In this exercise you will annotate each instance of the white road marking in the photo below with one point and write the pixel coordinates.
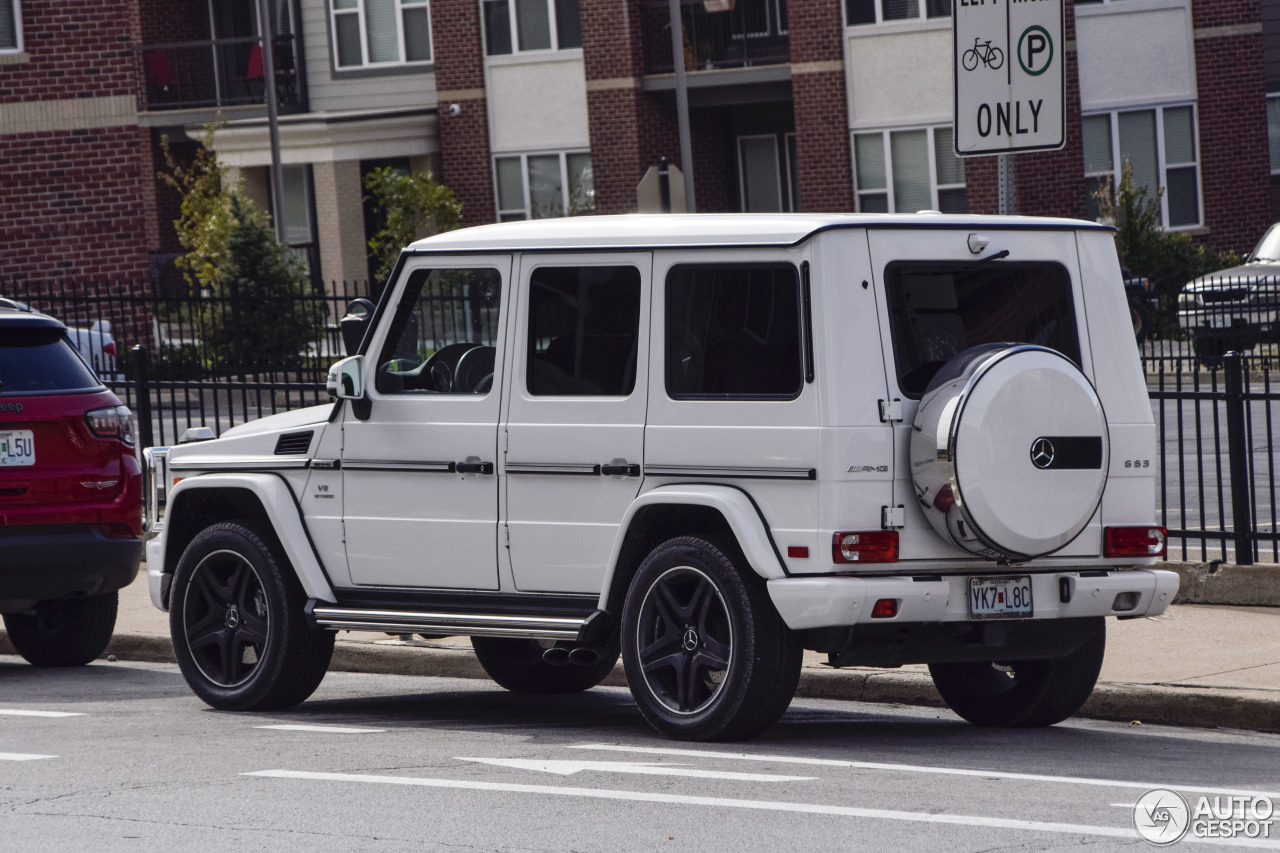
(568, 768)
(22, 756)
(346, 730)
(1127, 833)
(17, 713)
(913, 768)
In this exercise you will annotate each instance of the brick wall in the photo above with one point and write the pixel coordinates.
(78, 49)
(466, 165)
(1231, 104)
(821, 108)
(73, 204)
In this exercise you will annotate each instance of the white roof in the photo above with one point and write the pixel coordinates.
(701, 229)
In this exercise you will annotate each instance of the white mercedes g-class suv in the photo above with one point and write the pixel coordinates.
(704, 443)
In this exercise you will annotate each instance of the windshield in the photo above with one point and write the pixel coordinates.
(1268, 248)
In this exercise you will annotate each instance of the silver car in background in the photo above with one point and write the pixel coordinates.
(1234, 309)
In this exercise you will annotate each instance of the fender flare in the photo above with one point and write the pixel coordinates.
(735, 505)
(281, 508)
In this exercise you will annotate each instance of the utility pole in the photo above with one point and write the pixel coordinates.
(273, 118)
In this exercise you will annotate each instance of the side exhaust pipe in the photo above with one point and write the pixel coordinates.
(556, 656)
(584, 656)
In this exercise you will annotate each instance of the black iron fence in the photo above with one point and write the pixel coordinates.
(181, 358)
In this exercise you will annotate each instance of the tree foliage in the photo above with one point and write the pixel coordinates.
(415, 206)
(204, 224)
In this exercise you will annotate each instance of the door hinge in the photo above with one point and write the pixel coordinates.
(892, 517)
(506, 536)
(890, 410)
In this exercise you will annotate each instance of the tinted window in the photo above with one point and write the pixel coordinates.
(733, 331)
(442, 339)
(583, 326)
(34, 361)
(939, 309)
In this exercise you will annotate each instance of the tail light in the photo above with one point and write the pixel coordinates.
(873, 546)
(114, 422)
(109, 348)
(1134, 542)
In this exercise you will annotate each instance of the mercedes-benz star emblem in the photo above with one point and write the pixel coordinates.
(690, 640)
(1042, 453)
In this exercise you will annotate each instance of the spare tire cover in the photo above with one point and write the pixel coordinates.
(1009, 451)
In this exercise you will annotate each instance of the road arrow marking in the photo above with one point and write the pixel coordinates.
(568, 768)
(915, 768)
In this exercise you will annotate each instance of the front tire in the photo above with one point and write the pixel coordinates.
(518, 665)
(706, 655)
(1021, 694)
(71, 632)
(236, 617)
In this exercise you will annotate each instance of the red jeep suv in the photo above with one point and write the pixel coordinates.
(70, 495)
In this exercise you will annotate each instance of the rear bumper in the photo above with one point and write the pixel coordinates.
(57, 561)
(831, 602)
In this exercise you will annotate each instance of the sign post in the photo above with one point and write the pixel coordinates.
(1009, 80)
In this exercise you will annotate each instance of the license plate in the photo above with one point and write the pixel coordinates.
(1219, 320)
(17, 448)
(1000, 598)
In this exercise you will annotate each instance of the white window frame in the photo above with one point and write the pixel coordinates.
(782, 156)
(1162, 165)
(513, 28)
(526, 212)
(887, 190)
(921, 17)
(365, 62)
(16, 7)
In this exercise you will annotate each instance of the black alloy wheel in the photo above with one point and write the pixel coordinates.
(226, 618)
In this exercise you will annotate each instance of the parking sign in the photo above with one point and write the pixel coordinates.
(1009, 57)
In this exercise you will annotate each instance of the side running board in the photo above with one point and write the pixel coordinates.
(336, 618)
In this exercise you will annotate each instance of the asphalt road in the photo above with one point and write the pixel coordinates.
(391, 763)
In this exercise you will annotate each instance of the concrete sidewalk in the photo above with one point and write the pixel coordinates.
(1196, 665)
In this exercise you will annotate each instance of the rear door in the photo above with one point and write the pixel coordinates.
(575, 432)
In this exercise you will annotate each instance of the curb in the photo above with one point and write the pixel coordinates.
(1227, 583)
(1139, 703)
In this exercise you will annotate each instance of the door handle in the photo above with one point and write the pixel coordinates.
(473, 467)
(622, 470)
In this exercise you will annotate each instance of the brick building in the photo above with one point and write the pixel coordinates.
(529, 108)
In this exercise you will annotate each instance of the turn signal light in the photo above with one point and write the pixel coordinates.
(874, 546)
(1134, 542)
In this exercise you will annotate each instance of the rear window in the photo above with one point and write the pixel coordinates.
(937, 309)
(38, 361)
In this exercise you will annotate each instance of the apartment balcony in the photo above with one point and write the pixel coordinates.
(752, 33)
(202, 76)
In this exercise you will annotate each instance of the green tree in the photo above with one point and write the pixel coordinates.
(204, 223)
(1168, 258)
(415, 206)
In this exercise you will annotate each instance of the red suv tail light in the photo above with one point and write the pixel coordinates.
(1134, 542)
(114, 422)
(874, 546)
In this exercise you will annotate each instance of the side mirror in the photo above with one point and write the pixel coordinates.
(355, 323)
(346, 379)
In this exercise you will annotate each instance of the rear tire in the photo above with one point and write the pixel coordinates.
(71, 632)
(1031, 693)
(707, 657)
(236, 616)
(517, 665)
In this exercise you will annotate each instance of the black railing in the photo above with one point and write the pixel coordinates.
(753, 32)
(215, 73)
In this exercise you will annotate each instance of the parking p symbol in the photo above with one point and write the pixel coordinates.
(1035, 50)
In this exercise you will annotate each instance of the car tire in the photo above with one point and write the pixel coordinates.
(1140, 314)
(707, 656)
(1022, 694)
(519, 666)
(236, 618)
(71, 632)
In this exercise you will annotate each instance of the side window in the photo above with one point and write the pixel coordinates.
(584, 323)
(443, 335)
(733, 331)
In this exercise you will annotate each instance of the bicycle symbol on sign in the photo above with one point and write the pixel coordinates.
(992, 57)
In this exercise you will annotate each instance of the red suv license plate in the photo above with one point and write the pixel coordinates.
(1000, 598)
(17, 448)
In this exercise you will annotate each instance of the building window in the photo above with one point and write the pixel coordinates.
(902, 171)
(369, 33)
(540, 186)
(859, 12)
(10, 26)
(1160, 147)
(768, 173)
(537, 24)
